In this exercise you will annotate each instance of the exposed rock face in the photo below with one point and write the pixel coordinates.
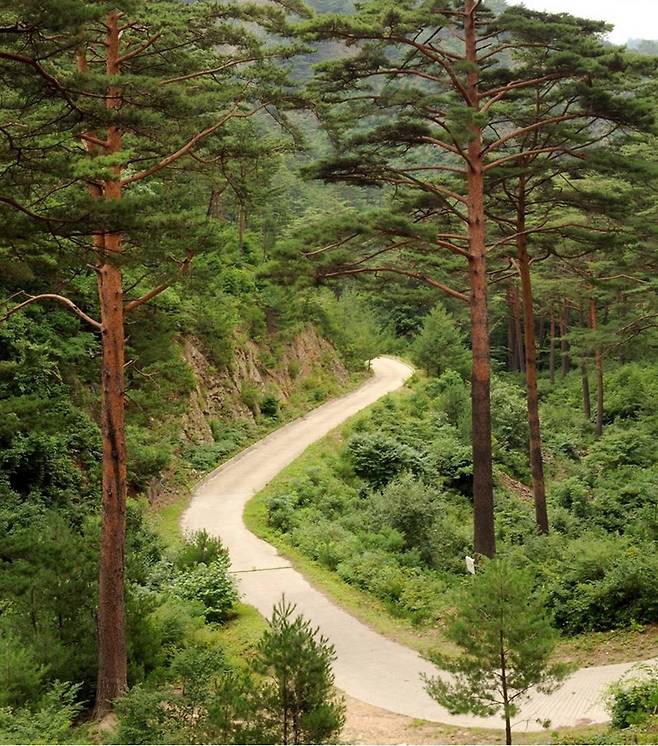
(220, 393)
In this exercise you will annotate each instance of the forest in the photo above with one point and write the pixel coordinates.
(213, 215)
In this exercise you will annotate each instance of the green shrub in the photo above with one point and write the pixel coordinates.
(146, 459)
(601, 583)
(281, 512)
(509, 424)
(633, 701)
(215, 324)
(631, 391)
(48, 721)
(269, 406)
(199, 548)
(210, 584)
(378, 458)
(450, 394)
(412, 509)
(284, 695)
(204, 457)
(251, 396)
(21, 675)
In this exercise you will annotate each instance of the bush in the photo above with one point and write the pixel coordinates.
(412, 509)
(284, 695)
(631, 391)
(634, 701)
(21, 674)
(378, 458)
(210, 584)
(199, 548)
(146, 459)
(49, 721)
(509, 424)
(251, 397)
(269, 406)
(602, 583)
(202, 701)
(281, 512)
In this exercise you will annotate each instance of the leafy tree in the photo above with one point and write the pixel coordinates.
(112, 97)
(506, 642)
(299, 699)
(439, 346)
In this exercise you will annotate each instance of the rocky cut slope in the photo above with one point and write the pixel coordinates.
(262, 380)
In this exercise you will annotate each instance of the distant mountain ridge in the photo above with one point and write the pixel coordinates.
(643, 46)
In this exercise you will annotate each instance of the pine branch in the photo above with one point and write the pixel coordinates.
(183, 267)
(406, 273)
(50, 79)
(188, 146)
(60, 299)
(530, 128)
(142, 48)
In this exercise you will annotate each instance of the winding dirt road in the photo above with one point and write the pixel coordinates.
(369, 667)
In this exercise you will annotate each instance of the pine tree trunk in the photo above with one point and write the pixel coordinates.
(242, 226)
(551, 349)
(518, 333)
(112, 655)
(484, 536)
(532, 396)
(598, 365)
(564, 342)
(511, 342)
(112, 678)
(506, 702)
(587, 400)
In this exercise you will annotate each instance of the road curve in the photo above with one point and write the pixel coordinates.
(369, 667)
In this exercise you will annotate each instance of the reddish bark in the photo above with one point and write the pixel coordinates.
(484, 536)
(564, 341)
(551, 350)
(587, 401)
(511, 341)
(541, 336)
(598, 366)
(112, 650)
(536, 457)
(112, 656)
(518, 333)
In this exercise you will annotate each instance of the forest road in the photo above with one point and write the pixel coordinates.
(369, 667)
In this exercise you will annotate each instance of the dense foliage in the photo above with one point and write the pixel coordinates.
(388, 510)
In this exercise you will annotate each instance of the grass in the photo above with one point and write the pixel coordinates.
(238, 637)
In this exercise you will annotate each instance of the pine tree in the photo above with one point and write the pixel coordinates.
(506, 644)
(300, 698)
(425, 106)
(114, 97)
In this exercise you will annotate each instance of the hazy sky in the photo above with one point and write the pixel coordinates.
(633, 19)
